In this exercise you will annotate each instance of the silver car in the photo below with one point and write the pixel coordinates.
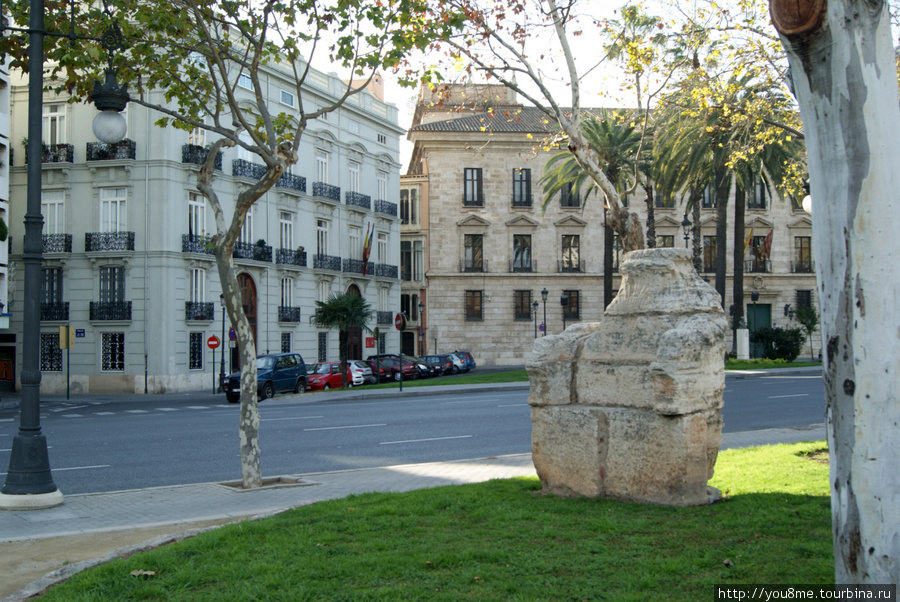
(459, 364)
(361, 373)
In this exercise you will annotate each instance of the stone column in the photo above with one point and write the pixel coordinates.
(631, 407)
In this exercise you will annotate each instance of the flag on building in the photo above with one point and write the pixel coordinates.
(747, 240)
(766, 246)
(367, 248)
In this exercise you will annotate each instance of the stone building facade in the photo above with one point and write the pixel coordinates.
(493, 246)
(125, 231)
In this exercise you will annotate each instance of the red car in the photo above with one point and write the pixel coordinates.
(410, 371)
(326, 375)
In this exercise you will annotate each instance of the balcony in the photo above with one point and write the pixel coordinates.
(383, 270)
(357, 199)
(55, 312)
(473, 266)
(199, 310)
(196, 243)
(57, 243)
(245, 169)
(758, 266)
(327, 191)
(197, 155)
(101, 151)
(113, 310)
(803, 267)
(290, 257)
(385, 207)
(567, 266)
(327, 262)
(288, 314)
(55, 153)
(523, 267)
(355, 266)
(385, 317)
(108, 241)
(257, 252)
(291, 181)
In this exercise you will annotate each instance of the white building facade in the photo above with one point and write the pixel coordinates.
(126, 260)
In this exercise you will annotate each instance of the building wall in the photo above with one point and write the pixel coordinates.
(158, 271)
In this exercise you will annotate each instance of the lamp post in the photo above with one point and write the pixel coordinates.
(564, 301)
(544, 294)
(222, 359)
(535, 307)
(686, 225)
(29, 483)
(421, 328)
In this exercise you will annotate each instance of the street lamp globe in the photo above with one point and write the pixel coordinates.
(109, 126)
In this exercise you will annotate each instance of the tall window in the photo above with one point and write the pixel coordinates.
(521, 252)
(802, 254)
(418, 260)
(354, 236)
(474, 308)
(354, 176)
(323, 290)
(567, 196)
(522, 305)
(665, 241)
(322, 166)
(384, 298)
(286, 229)
(197, 136)
(409, 206)
(757, 200)
(572, 309)
(247, 228)
(804, 298)
(381, 183)
(287, 292)
(709, 197)
(112, 284)
(195, 351)
(196, 214)
(112, 355)
(287, 98)
(51, 354)
(474, 249)
(54, 123)
(322, 227)
(381, 248)
(53, 210)
(405, 260)
(198, 285)
(571, 253)
(51, 285)
(322, 355)
(472, 187)
(521, 187)
(112, 210)
(285, 342)
(709, 253)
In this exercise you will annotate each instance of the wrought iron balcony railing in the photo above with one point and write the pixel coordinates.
(327, 262)
(245, 250)
(199, 310)
(803, 267)
(197, 155)
(383, 270)
(385, 207)
(758, 266)
(116, 310)
(288, 314)
(385, 317)
(571, 266)
(196, 243)
(523, 267)
(108, 241)
(57, 243)
(101, 151)
(473, 266)
(290, 257)
(357, 199)
(58, 312)
(327, 191)
(291, 181)
(55, 153)
(355, 266)
(246, 169)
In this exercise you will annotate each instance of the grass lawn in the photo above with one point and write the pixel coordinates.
(504, 540)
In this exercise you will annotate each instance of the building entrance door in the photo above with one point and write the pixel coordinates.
(759, 315)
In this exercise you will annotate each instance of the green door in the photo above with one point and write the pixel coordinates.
(759, 315)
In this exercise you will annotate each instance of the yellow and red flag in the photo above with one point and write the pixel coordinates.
(367, 249)
(747, 240)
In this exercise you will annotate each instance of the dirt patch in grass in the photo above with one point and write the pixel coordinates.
(819, 455)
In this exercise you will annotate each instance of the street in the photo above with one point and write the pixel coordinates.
(109, 445)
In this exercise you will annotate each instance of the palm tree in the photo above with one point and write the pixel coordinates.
(341, 313)
(616, 142)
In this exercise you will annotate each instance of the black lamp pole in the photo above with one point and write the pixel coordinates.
(421, 328)
(544, 294)
(686, 225)
(535, 306)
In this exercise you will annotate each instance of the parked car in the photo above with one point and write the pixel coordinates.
(361, 371)
(327, 375)
(423, 370)
(459, 364)
(275, 373)
(410, 370)
(379, 370)
(442, 363)
(465, 355)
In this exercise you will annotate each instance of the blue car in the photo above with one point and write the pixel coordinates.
(467, 358)
(274, 374)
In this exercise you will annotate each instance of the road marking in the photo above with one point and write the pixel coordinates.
(72, 416)
(104, 413)
(7, 419)
(291, 418)
(166, 410)
(74, 468)
(135, 411)
(197, 407)
(429, 439)
(512, 405)
(784, 396)
(334, 428)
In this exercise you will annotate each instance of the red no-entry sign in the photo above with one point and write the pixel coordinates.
(399, 321)
(213, 342)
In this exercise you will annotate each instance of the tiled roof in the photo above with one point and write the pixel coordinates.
(518, 120)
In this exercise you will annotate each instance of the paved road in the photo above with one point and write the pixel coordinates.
(123, 442)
